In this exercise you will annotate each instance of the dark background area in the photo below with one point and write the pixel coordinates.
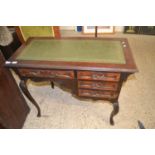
(10, 49)
(149, 30)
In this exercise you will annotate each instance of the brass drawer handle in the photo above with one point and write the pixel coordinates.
(40, 73)
(98, 94)
(95, 94)
(59, 76)
(97, 85)
(94, 76)
(34, 73)
(51, 75)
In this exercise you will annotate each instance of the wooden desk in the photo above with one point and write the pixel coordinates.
(90, 68)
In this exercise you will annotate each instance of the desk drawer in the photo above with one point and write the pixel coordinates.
(97, 94)
(103, 76)
(98, 85)
(46, 73)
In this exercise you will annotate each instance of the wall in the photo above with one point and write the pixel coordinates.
(67, 27)
(117, 28)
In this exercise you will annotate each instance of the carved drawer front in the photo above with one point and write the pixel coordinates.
(103, 76)
(47, 73)
(97, 94)
(98, 85)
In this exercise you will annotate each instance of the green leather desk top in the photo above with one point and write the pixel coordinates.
(100, 51)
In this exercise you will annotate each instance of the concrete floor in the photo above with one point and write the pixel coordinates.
(137, 98)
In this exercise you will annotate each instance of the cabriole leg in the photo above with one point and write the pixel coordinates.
(114, 112)
(24, 89)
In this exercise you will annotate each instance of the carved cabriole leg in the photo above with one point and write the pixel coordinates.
(114, 112)
(24, 89)
(115, 102)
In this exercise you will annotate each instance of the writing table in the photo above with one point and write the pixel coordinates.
(93, 68)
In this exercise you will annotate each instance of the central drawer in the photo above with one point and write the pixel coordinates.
(102, 76)
(97, 94)
(102, 85)
(61, 74)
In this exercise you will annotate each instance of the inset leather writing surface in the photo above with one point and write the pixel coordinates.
(102, 51)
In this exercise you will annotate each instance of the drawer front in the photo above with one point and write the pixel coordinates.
(98, 85)
(97, 94)
(46, 73)
(103, 76)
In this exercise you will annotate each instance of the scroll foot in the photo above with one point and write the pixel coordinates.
(114, 112)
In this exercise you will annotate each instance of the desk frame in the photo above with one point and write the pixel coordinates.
(123, 69)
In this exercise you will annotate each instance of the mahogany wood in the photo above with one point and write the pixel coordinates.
(114, 112)
(46, 73)
(19, 34)
(13, 107)
(128, 67)
(56, 31)
(96, 31)
(24, 88)
(97, 94)
(103, 76)
(84, 80)
(98, 85)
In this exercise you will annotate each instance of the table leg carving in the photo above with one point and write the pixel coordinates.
(114, 112)
(25, 90)
(52, 84)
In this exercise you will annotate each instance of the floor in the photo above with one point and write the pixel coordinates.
(137, 98)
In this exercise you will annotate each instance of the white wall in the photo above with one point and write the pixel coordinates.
(117, 28)
(67, 27)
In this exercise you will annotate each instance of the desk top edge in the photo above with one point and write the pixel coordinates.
(125, 68)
